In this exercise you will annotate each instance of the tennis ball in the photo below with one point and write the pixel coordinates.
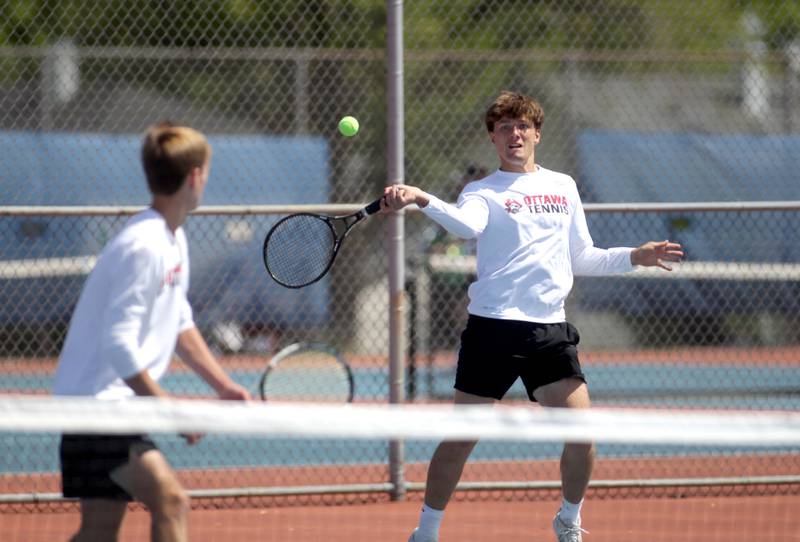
(348, 126)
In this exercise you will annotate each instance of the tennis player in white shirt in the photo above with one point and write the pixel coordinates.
(132, 315)
(532, 238)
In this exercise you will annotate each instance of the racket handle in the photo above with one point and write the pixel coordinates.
(373, 207)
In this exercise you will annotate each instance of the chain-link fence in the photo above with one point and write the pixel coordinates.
(645, 102)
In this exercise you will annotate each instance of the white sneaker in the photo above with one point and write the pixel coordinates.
(567, 532)
(413, 538)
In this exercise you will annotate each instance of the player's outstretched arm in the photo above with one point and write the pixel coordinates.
(656, 253)
(194, 351)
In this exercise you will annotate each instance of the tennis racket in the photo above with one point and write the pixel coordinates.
(307, 372)
(300, 248)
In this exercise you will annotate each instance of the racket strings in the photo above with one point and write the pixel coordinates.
(299, 250)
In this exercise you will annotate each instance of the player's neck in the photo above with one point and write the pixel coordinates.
(527, 167)
(173, 213)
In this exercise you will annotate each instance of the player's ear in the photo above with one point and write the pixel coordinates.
(194, 176)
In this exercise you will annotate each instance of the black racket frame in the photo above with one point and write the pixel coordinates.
(299, 347)
(346, 223)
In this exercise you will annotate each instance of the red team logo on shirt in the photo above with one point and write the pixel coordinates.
(513, 206)
(171, 277)
(539, 204)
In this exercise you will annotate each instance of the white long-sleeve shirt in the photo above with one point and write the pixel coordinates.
(130, 312)
(532, 237)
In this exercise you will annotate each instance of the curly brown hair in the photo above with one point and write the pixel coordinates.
(514, 105)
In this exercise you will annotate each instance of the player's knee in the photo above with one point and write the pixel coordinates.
(174, 504)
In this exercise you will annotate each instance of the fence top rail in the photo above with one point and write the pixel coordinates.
(344, 208)
(206, 210)
(702, 206)
(452, 55)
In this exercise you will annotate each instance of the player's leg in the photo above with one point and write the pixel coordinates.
(86, 463)
(483, 375)
(448, 460)
(149, 477)
(557, 381)
(444, 472)
(577, 459)
(101, 519)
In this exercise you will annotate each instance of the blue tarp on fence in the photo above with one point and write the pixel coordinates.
(617, 167)
(105, 169)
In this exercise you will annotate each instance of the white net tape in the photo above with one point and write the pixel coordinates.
(682, 427)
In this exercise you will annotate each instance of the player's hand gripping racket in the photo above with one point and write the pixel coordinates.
(300, 248)
(307, 372)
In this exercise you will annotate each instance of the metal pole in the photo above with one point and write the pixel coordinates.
(396, 174)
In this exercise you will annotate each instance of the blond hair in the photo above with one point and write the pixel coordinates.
(170, 153)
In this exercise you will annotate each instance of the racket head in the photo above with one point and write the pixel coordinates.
(307, 372)
(299, 249)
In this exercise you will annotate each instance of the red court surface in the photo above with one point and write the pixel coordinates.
(750, 513)
(732, 519)
(606, 469)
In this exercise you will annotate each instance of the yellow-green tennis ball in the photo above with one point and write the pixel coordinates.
(348, 126)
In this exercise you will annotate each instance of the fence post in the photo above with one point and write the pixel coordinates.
(396, 174)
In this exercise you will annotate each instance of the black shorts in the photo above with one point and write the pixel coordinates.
(494, 353)
(88, 460)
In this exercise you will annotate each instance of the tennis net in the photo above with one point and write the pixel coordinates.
(275, 468)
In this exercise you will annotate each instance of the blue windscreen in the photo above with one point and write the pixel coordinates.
(227, 275)
(619, 167)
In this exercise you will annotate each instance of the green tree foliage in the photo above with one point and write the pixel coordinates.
(460, 24)
(194, 23)
(445, 91)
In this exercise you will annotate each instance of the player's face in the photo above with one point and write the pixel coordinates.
(514, 140)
